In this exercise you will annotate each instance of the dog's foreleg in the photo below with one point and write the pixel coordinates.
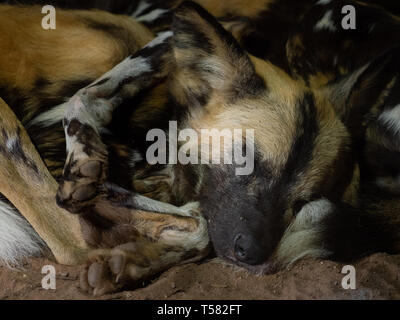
(151, 242)
(91, 109)
(26, 182)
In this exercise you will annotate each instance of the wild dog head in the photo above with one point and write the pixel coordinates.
(303, 140)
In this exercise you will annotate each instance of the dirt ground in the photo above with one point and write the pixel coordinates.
(378, 277)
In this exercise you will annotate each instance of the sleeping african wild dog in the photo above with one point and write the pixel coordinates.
(325, 182)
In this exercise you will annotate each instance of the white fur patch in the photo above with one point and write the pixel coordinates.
(326, 22)
(152, 16)
(11, 143)
(96, 111)
(323, 2)
(135, 158)
(48, 118)
(143, 5)
(161, 37)
(391, 119)
(313, 212)
(151, 205)
(127, 68)
(144, 203)
(303, 237)
(18, 240)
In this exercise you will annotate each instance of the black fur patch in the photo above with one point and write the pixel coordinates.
(73, 127)
(248, 85)
(351, 233)
(301, 150)
(189, 28)
(197, 38)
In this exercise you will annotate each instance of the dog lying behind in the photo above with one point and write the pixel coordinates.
(312, 190)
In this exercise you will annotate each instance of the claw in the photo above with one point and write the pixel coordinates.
(85, 169)
(99, 278)
(83, 280)
(117, 265)
(109, 270)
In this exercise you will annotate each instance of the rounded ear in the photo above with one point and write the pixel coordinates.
(369, 90)
(208, 58)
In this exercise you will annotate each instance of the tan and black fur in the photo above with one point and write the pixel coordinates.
(313, 189)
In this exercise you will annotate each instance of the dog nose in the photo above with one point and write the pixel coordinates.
(247, 250)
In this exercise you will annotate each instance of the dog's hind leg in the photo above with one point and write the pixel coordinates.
(27, 184)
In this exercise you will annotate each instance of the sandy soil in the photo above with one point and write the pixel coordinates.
(378, 277)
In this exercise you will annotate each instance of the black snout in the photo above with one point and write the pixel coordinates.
(248, 250)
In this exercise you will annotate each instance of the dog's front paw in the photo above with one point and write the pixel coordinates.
(85, 169)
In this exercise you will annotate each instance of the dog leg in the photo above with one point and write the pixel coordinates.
(150, 242)
(142, 237)
(91, 109)
(26, 182)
